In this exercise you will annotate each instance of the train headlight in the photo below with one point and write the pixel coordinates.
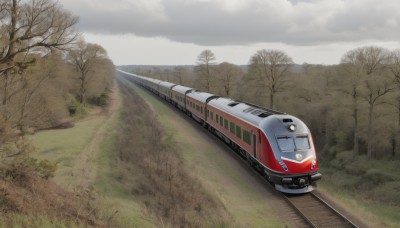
(292, 127)
(314, 162)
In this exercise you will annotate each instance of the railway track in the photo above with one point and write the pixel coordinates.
(316, 211)
(309, 209)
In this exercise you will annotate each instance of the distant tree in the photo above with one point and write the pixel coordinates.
(85, 58)
(375, 90)
(272, 67)
(394, 67)
(182, 76)
(357, 65)
(205, 61)
(227, 76)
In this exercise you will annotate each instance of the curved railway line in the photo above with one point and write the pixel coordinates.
(309, 210)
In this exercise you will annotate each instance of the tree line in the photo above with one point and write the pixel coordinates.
(47, 71)
(354, 105)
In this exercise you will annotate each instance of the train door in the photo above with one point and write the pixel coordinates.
(255, 146)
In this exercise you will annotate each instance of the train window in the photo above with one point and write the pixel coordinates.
(226, 124)
(232, 128)
(246, 137)
(198, 108)
(286, 143)
(302, 142)
(212, 116)
(216, 118)
(201, 109)
(221, 120)
(238, 132)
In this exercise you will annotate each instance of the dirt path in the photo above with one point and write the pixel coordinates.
(85, 167)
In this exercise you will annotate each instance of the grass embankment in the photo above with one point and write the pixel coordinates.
(244, 197)
(369, 186)
(160, 181)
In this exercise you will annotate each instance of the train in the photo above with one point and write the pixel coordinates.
(277, 145)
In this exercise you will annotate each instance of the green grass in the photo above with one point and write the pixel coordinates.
(119, 203)
(371, 187)
(64, 147)
(220, 178)
(28, 220)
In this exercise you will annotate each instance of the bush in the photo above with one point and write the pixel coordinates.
(19, 171)
(101, 100)
(75, 108)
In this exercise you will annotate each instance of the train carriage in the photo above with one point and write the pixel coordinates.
(151, 84)
(179, 96)
(164, 89)
(196, 102)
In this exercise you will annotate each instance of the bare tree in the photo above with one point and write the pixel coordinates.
(203, 68)
(374, 92)
(272, 67)
(182, 76)
(357, 64)
(228, 75)
(32, 26)
(394, 67)
(28, 30)
(84, 59)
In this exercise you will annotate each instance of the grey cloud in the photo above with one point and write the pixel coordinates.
(296, 22)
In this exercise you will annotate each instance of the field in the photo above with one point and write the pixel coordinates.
(85, 158)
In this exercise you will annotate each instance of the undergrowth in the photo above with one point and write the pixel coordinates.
(152, 170)
(375, 184)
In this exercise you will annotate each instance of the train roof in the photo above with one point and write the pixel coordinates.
(201, 96)
(166, 84)
(155, 81)
(182, 89)
(249, 112)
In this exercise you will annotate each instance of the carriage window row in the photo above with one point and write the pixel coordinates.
(180, 98)
(234, 129)
(195, 106)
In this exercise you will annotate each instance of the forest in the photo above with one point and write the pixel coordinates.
(352, 106)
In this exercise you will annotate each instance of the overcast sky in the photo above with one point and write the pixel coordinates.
(174, 32)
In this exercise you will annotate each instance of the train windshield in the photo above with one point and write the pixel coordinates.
(302, 142)
(288, 143)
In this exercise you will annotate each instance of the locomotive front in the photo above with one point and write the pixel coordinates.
(293, 157)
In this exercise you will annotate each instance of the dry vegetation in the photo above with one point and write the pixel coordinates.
(41, 88)
(152, 170)
(29, 198)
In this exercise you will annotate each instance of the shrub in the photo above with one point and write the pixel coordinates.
(75, 108)
(101, 100)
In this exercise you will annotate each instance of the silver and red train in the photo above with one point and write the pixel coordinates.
(278, 145)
